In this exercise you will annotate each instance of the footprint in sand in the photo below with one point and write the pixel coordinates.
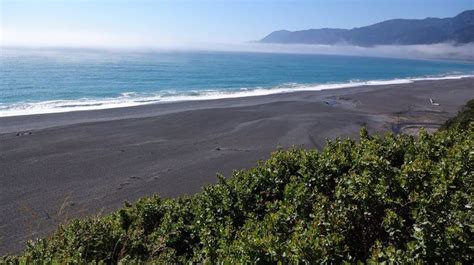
(123, 184)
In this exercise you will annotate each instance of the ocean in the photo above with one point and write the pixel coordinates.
(49, 81)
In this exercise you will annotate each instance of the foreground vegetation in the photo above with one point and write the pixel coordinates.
(393, 198)
(463, 119)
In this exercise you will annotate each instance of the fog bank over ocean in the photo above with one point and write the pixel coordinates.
(447, 51)
(432, 51)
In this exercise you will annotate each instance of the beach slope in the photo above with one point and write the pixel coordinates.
(55, 167)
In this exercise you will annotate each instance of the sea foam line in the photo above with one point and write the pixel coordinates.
(130, 99)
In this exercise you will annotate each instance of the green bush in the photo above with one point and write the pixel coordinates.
(390, 199)
(463, 119)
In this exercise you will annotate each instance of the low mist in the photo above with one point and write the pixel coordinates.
(432, 51)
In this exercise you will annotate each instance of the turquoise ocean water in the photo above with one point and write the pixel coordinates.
(50, 81)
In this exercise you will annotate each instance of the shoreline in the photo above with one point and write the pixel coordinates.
(46, 120)
(55, 167)
(134, 99)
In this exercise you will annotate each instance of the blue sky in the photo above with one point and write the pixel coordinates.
(177, 22)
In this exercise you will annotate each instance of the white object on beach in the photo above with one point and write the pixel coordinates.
(433, 102)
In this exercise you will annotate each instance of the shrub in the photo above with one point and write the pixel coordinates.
(463, 119)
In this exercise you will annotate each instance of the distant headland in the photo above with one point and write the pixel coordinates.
(457, 30)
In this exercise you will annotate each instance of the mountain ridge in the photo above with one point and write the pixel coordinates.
(458, 29)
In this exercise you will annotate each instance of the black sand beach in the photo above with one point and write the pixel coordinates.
(55, 167)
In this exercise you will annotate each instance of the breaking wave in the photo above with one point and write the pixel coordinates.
(130, 99)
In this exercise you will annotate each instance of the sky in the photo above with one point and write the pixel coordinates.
(168, 23)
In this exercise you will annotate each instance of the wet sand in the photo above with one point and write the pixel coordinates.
(55, 167)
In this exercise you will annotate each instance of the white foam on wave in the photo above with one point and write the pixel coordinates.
(130, 99)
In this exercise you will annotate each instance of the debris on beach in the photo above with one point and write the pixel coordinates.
(434, 103)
